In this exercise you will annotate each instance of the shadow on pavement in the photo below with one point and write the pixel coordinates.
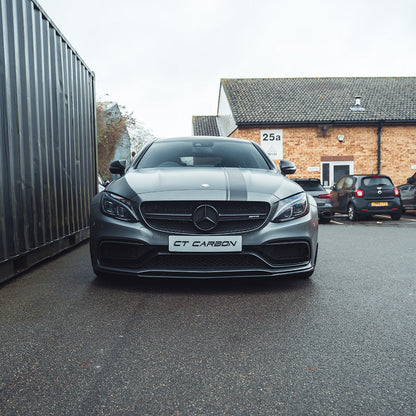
(204, 286)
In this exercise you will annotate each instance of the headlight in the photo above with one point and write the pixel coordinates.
(295, 206)
(118, 207)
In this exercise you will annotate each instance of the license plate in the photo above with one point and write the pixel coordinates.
(206, 244)
(379, 204)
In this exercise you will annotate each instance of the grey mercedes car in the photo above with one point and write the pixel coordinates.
(203, 207)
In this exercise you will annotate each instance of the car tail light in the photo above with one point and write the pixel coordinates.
(324, 196)
(396, 192)
(359, 193)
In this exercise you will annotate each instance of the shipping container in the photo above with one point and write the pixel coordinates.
(48, 139)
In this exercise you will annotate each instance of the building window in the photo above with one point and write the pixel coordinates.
(333, 170)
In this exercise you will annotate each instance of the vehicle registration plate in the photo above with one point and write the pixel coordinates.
(379, 204)
(206, 244)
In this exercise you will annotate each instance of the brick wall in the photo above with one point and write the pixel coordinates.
(307, 146)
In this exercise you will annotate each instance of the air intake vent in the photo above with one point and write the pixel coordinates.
(357, 106)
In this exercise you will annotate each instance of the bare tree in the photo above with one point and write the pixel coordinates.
(139, 136)
(115, 125)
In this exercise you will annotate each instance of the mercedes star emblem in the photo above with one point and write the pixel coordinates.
(205, 217)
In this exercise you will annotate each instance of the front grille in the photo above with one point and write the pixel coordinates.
(177, 216)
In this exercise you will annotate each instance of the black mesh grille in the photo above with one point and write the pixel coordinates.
(206, 262)
(137, 256)
(285, 253)
(122, 254)
(176, 216)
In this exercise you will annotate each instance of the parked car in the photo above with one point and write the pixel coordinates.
(365, 195)
(203, 207)
(408, 193)
(321, 195)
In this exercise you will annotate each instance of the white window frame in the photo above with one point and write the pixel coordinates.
(331, 163)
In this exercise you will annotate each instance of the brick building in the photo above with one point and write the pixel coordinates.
(327, 126)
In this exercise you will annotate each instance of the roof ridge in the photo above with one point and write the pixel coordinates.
(318, 77)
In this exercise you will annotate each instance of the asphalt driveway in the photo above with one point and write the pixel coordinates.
(341, 343)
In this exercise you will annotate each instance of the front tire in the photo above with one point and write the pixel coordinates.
(352, 214)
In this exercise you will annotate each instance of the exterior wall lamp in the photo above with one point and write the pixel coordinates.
(340, 138)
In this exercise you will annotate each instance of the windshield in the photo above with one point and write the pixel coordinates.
(201, 153)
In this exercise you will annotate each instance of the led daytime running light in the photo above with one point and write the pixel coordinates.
(295, 206)
(118, 207)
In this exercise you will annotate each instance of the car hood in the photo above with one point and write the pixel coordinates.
(204, 184)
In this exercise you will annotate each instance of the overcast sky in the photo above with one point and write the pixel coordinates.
(163, 59)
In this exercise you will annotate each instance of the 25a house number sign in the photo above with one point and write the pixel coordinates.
(271, 142)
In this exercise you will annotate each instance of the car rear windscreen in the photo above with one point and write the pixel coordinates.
(377, 181)
(311, 186)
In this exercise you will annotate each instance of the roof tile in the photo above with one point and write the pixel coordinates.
(321, 100)
(205, 126)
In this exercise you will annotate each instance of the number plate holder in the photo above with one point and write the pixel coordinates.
(205, 244)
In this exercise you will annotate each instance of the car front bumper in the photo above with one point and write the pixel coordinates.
(132, 249)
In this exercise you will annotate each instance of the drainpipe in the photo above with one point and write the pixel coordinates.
(380, 126)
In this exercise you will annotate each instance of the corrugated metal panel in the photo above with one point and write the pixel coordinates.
(48, 138)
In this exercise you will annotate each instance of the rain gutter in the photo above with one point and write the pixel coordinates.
(380, 126)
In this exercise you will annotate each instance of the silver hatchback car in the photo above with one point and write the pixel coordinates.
(203, 207)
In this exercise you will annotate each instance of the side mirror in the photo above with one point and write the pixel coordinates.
(118, 167)
(286, 167)
(332, 188)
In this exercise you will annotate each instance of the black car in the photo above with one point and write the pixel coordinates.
(365, 195)
(408, 193)
(321, 195)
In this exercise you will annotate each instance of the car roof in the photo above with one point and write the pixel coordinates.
(369, 174)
